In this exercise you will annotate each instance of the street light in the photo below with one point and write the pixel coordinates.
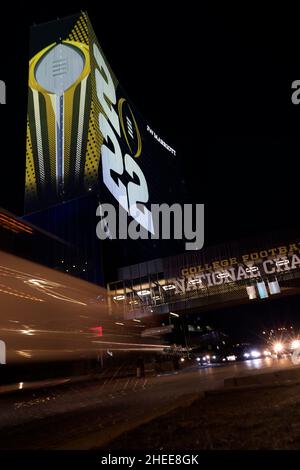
(278, 347)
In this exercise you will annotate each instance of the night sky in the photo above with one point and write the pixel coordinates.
(217, 86)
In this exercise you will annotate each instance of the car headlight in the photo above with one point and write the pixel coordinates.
(255, 353)
(295, 344)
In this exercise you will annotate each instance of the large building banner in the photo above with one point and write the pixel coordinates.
(83, 133)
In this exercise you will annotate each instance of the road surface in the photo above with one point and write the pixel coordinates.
(89, 416)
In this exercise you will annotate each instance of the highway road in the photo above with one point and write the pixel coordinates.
(90, 415)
